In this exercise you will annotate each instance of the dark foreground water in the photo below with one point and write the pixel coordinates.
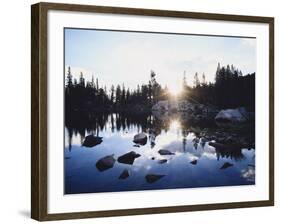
(193, 164)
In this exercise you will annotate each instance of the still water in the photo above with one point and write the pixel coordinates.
(192, 163)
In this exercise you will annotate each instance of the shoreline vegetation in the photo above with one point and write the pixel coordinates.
(231, 89)
(223, 111)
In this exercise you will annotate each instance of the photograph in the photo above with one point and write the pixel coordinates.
(157, 111)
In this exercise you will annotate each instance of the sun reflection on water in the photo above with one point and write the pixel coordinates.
(175, 124)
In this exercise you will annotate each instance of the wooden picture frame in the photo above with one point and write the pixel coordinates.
(39, 109)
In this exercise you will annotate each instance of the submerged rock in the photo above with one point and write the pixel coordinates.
(105, 163)
(226, 165)
(140, 138)
(151, 178)
(125, 174)
(165, 152)
(194, 162)
(91, 141)
(136, 145)
(161, 161)
(128, 158)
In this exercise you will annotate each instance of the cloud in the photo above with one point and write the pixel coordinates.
(120, 57)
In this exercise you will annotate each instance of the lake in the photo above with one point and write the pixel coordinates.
(192, 161)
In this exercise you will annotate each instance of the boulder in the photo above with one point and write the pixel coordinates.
(91, 141)
(140, 138)
(128, 158)
(161, 161)
(151, 178)
(226, 165)
(194, 162)
(125, 174)
(165, 152)
(161, 106)
(232, 115)
(105, 163)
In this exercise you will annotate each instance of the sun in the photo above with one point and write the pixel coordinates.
(175, 91)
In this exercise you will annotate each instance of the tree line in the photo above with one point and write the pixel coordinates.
(230, 89)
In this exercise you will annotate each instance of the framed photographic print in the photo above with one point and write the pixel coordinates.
(140, 111)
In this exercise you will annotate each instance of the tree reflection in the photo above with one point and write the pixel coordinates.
(78, 124)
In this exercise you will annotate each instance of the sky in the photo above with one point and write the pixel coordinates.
(116, 57)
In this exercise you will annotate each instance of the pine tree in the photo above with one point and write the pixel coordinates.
(184, 83)
(118, 95)
(81, 80)
(123, 95)
(97, 83)
(204, 79)
(69, 83)
(112, 90)
(196, 81)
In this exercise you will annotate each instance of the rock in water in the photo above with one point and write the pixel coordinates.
(226, 165)
(165, 152)
(161, 106)
(161, 161)
(151, 178)
(140, 138)
(125, 174)
(194, 162)
(128, 158)
(105, 163)
(91, 141)
(232, 115)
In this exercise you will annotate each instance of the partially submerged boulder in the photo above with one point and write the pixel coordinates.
(161, 106)
(194, 162)
(91, 141)
(165, 152)
(226, 165)
(232, 115)
(140, 139)
(105, 163)
(125, 174)
(161, 161)
(128, 158)
(151, 178)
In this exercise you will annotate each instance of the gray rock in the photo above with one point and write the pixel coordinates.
(128, 158)
(226, 165)
(125, 174)
(165, 152)
(194, 162)
(91, 141)
(232, 115)
(151, 178)
(105, 163)
(161, 161)
(140, 139)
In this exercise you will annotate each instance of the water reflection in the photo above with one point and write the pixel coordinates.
(176, 155)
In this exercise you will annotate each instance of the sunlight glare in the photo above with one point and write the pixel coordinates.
(175, 125)
(175, 91)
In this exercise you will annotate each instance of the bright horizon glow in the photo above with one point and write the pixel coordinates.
(127, 58)
(175, 90)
